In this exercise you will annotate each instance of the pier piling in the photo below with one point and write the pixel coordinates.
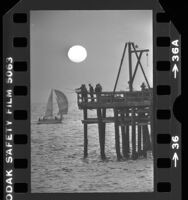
(123, 137)
(85, 135)
(139, 140)
(101, 128)
(117, 139)
(133, 124)
(146, 141)
(127, 142)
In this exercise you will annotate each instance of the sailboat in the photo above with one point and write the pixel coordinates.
(62, 103)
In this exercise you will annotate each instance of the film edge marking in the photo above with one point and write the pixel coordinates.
(8, 127)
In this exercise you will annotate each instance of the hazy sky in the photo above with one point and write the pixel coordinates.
(102, 33)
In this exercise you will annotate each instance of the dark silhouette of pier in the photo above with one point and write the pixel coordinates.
(132, 113)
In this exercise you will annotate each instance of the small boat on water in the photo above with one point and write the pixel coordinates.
(62, 103)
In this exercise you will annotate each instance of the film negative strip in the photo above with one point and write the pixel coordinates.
(108, 129)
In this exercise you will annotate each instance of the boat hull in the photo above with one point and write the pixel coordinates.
(50, 121)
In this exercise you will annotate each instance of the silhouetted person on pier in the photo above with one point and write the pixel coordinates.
(143, 86)
(98, 90)
(91, 90)
(84, 92)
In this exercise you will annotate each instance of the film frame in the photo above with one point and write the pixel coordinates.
(167, 177)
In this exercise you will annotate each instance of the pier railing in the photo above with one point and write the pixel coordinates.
(114, 99)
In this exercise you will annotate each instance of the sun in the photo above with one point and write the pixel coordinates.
(77, 53)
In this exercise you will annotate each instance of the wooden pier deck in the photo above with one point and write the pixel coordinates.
(115, 100)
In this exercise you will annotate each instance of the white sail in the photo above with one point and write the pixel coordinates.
(49, 107)
(62, 102)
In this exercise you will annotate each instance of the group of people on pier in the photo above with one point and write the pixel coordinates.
(90, 91)
(92, 94)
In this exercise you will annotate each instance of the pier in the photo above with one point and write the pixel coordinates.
(132, 113)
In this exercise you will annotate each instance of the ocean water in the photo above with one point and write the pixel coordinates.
(57, 163)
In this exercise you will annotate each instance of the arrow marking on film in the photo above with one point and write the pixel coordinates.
(175, 158)
(175, 70)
